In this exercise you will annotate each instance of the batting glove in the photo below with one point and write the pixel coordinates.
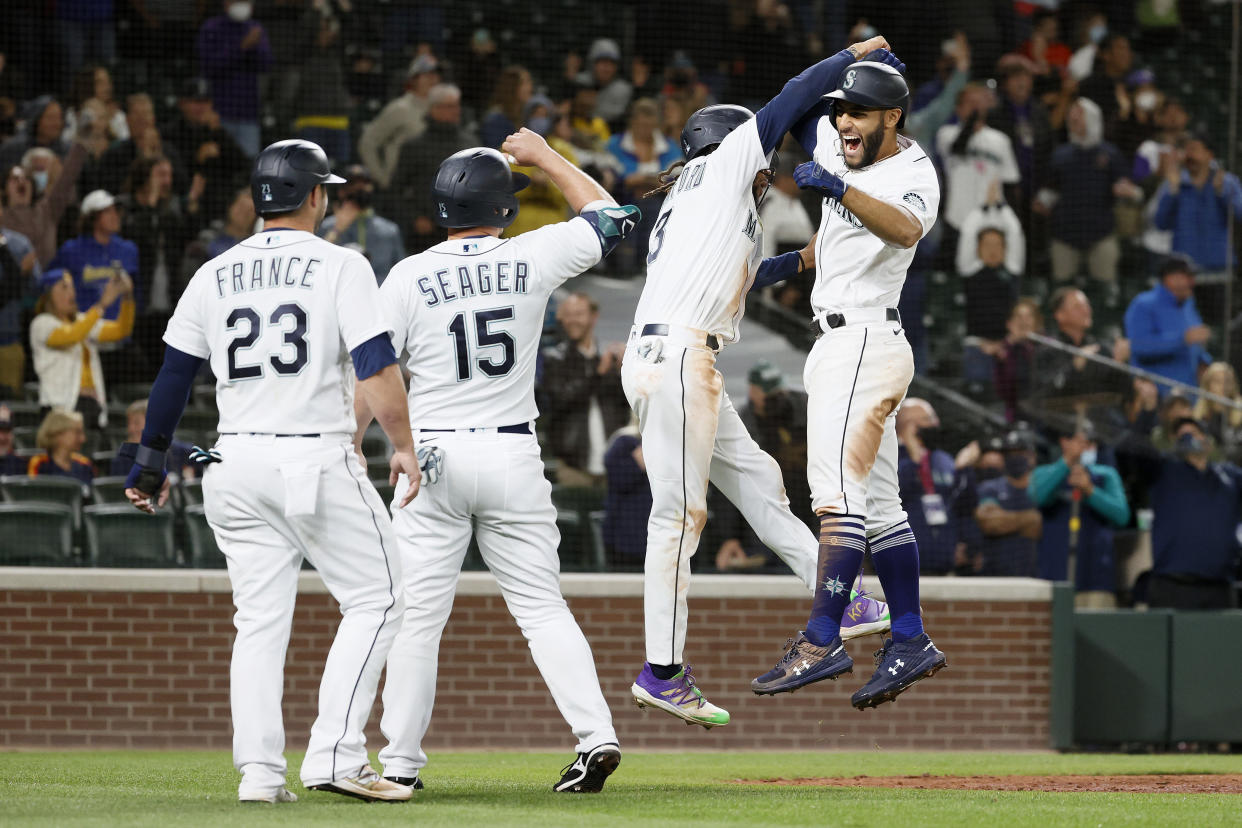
(431, 464)
(147, 475)
(205, 456)
(887, 57)
(811, 176)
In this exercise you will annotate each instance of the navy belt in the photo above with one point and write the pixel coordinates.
(837, 320)
(263, 434)
(662, 330)
(520, 428)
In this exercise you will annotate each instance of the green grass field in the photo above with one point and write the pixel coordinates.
(170, 789)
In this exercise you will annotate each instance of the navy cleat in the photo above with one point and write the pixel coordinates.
(898, 667)
(803, 663)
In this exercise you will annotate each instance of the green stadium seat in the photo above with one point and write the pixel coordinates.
(108, 490)
(204, 553)
(21, 489)
(36, 534)
(119, 535)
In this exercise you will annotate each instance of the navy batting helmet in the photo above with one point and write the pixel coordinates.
(871, 85)
(708, 127)
(285, 173)
(475, 188)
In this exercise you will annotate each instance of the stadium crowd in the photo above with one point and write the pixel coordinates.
(1083, 200)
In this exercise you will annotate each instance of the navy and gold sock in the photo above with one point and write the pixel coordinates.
(895, 556)
(842, 541)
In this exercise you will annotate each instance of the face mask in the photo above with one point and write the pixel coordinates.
(931, 436)
(988, 473)
(1188, 445)
(239, 11)
(39, 177)
(1016, 465)
(1098, 32)
(1147, 100)
(1088, 457)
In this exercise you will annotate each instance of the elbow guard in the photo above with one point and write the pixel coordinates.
(613, 223)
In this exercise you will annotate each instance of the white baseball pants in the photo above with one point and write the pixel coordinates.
(856, 377)
(271, 502)
(498, 480)
(691, 433)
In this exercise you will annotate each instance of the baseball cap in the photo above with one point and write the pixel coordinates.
(604, 49)
(423, 64)
(95, 201)
(50, 277)
(196, 89)
(767, 376)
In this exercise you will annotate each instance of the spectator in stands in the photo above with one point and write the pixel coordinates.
(1197, 506)
(86, 30)
(627, 501)
(1092, 29)
(176, 461)
(989, 267)
(641, 153)
(513, 89)
(928, 117)
(144, 141)
(45, 124)
(61, 435)
(65, 343)
(1150, 169)
(1196, 202)
(1024, 120)
(156, 221)
(1174, 407)
(10, 463)
(590, 132)
(1082, 502)
(1015, 361)
(614, 92)
(19, 270)
(582, 399)
(319, 101)
(36, 195)
(542, 202)
(1044, 46)
(973, 155)
(94, 84)
(206, 147)
(408, 200)
(1008, 518)
(1223, 423)
(1167, 335)
(933, 493)
(403, 118)
(355, 224)
(239, 224)
(1087, 175)
(99, 253)
(478, 68)
(1060, 374)
(233, 51)
(1106, 85)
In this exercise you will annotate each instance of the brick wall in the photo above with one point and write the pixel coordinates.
(150, 669)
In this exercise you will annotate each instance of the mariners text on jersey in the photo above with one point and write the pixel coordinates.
(266, 272)
(481, 278)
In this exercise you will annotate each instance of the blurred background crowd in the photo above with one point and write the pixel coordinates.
(1072, 313)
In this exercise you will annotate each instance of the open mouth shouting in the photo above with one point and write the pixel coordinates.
(852, 147)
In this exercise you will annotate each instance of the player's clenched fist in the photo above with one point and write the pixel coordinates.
(526, 146)
(861, 50)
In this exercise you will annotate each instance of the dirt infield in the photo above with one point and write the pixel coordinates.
(1151, 783)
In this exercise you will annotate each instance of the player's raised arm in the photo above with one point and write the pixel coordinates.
(803, 92)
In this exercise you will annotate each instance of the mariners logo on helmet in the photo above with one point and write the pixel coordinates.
(849, 79)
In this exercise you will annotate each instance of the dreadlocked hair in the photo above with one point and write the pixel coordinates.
(668, 179)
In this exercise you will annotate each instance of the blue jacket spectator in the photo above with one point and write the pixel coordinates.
(1197, 507)
(1195, 203)
(513, 90)
(355, 224)
(1165, 330)
(627, 504)
(1007, 517)
(233, 50)
(98, 254)
(1076, 477)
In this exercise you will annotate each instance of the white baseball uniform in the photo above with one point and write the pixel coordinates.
(277, 316)
(704, 252)
(857, 374)
(470, 313)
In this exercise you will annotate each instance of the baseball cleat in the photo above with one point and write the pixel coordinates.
(864, 616)
(679, 696)
(412, 782)
(273, 795)
(803, 663)
(586, 774)
(898, 667)
(368, 785)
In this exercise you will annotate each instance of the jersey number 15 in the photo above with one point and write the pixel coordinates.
(484, 337)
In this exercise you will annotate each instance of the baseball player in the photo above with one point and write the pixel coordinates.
(280, 317)
(704, 254)
(880, 198)
(469, 311)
